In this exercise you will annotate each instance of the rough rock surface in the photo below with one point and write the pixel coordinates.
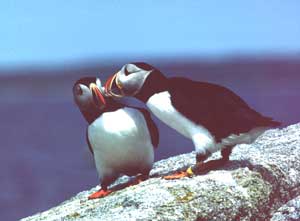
(254, 185)
(288, 212)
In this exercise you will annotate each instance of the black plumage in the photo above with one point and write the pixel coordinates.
(154, 133)
(215, 107)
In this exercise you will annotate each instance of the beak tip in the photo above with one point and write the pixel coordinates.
(99, 95)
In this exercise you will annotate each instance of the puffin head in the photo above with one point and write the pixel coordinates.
(129, 80)
(89, 94)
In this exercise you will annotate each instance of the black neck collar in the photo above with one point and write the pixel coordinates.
(156, 82)
(92, 113)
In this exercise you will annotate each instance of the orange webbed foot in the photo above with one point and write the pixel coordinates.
(180, 174)
(99, 194)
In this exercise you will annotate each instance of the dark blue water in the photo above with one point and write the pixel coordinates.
(44, 159)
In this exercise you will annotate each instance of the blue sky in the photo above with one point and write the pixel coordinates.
(48, 32)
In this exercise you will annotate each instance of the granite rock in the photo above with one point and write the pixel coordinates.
(257, 184)
(289, 211)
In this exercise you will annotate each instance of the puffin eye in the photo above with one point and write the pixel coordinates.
(126, 72)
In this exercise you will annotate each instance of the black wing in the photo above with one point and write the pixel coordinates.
(154, 133)
(88, 141)
(215, 107)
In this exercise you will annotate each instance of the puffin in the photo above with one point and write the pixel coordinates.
(121, 139)
(212, 116)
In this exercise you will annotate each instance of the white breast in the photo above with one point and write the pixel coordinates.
(120, 140)
(161, 106)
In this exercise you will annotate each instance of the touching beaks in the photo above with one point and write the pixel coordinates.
(113, 87)
(98, 97)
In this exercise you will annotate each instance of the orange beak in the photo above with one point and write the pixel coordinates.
(100, 100)
(112, 81)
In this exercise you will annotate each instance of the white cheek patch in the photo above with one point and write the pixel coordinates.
(86, 96)
(131, 68)
(138, 79)
(98, 83)
(132, 83)
(122, 78)
(85, 90)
